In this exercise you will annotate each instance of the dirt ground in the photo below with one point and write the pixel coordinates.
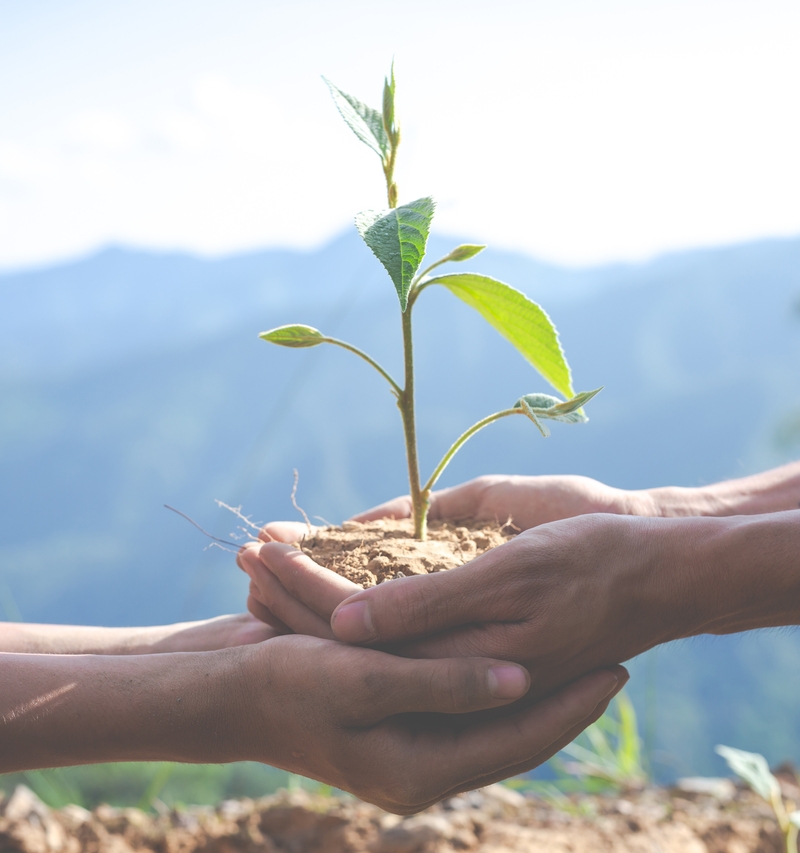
(720, 819)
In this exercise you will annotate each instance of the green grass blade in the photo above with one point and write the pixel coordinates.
(518, 319)
(398, 238)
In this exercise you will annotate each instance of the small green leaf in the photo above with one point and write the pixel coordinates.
(565, 411)
(294, 336)
(398, 238)
(388, 107)
(464, 252)
(753, 768)
(518, 319)
(366, 123)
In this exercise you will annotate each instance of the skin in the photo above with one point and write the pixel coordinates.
(568, 595)
(75, 695)
(219, 633)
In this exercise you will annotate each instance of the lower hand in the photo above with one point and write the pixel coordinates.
(398, 732)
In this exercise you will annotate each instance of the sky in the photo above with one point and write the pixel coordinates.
(577, 131)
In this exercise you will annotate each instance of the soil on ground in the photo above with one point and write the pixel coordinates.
(720, 819)
(377, 551)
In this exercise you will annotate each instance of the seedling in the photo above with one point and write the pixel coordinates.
(398, 238)
(753, 768)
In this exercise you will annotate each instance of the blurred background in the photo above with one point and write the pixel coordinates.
(174, 179)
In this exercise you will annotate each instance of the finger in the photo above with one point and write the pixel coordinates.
(494, 747)
(265, 615)
(285, 531)
(395, 508)
(289, 610)
(320, 589)
(448, 686)
(417, 606)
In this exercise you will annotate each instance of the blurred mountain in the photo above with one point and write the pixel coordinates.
(132, 379)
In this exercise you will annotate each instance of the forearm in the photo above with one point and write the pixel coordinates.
(80, 639)
(206, 635)
(777, 490)
(725, 575)
(59, 710)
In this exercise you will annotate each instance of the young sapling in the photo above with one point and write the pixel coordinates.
(398, 238)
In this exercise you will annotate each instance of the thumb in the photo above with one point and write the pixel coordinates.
(412, 607)
(443, 686)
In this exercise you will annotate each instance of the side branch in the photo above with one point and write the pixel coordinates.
(463, 438)
(397, 390)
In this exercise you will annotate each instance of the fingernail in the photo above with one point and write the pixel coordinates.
(609, 682)
(507, 682)
(353, 623)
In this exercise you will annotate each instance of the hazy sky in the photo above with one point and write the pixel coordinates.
(572, 130)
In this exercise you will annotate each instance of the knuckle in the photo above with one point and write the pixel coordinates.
(455, 689)
(414, 611)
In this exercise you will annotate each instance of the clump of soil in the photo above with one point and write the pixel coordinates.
(378, 551)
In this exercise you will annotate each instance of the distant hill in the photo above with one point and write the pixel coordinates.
(132, 379)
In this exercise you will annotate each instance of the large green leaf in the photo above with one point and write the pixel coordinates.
(366, 123)
(295, 335)
(518, 319)
(398, 238)
(753, 768)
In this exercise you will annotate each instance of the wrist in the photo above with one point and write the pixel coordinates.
(718, 575)
(673, 502)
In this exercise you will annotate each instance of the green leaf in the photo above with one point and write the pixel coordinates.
(565, 411)
(464, 252)
(388, 107)
(366, 123)
(518, 319)
(294, 336)
(753, 768)
(398, 238)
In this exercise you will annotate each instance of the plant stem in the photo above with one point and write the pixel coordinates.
(419, 498)
(454, 448)
(350, 348)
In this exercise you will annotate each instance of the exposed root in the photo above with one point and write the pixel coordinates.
(298, 508)
(237, 511)
(202, 530)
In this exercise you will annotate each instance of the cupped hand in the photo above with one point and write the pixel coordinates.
(398, 732)
(525, 501)
(561, 599)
